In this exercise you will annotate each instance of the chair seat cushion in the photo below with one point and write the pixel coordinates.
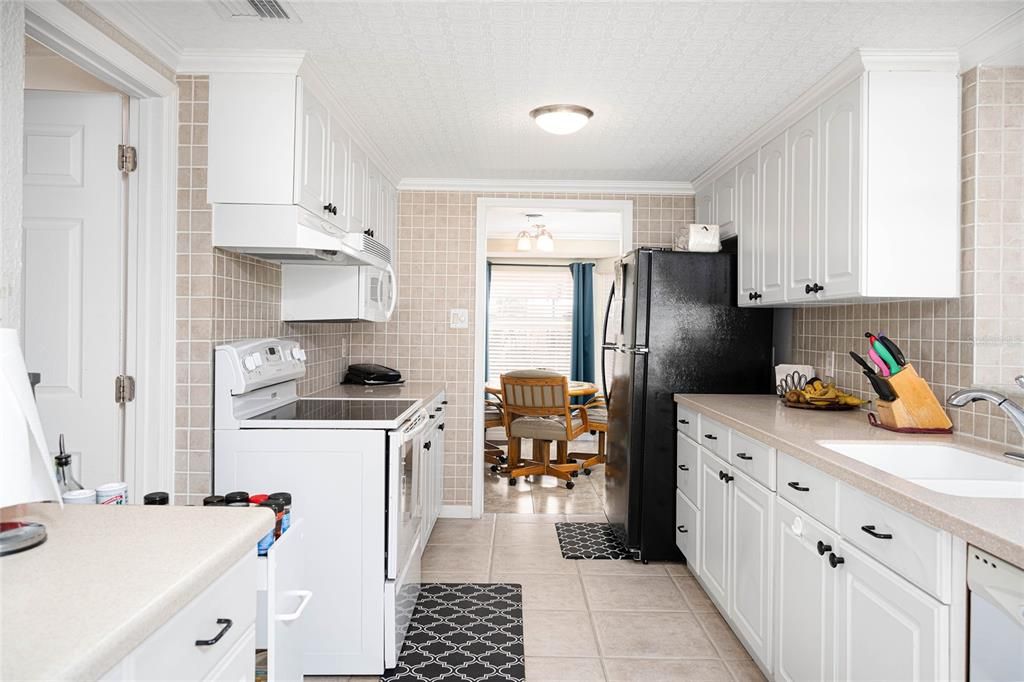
(597, 415)
(543, 428)
(491, 413)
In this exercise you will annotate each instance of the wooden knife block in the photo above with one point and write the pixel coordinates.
(916, 407)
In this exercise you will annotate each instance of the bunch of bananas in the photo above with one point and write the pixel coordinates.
(820, 394)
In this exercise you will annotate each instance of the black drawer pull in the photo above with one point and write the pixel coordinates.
(444, 402)
(822, 548)
(795, 485)
(870, 530)
(683, 467)
(834, 560)
(684, 422)
(682, 529)
(722, 476)
(710, 436)
(226, 622)
(743, 455)
(440, 427)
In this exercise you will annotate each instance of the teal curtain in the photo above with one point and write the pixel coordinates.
(487, 325)
(582, 365)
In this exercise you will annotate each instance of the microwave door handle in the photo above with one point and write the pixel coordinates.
(393, 300)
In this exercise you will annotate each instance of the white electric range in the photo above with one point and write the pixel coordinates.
(353, 468)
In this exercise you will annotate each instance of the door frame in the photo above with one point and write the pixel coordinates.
(151, 239)
(625, 210)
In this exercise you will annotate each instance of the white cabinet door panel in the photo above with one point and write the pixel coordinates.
(358, 204)
(772, 219)
(804, 620)
(802, 211)
(747, 230)
(311, 157)
(750, 553)
(725, 203)
(714, 530)
(705, 204)
(340, 164)
(840, 243)
(887, 629)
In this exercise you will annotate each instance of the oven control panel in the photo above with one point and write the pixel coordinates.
(255, 363)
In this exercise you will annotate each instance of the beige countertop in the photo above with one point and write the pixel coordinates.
(410, 390)
(108, 577)
(993, 524)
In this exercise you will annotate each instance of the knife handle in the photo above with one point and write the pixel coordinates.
(877, 359)
(894, 350)
(883, 353)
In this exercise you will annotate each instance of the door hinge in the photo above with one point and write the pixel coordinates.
(124, 389)
(127, 158)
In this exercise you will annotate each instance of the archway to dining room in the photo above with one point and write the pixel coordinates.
(547, 267)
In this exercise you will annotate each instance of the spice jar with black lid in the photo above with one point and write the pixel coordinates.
(286, 522)
(273, 534)
(238, 498)
(214, 501)
(156, 498)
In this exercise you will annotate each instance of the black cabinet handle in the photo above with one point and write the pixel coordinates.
(684, 422)
(722, 476)
(822, 548)
(440, 427)
(818, 287)
(426, 446)
(683, 467)
(226, 622)
(729, 479)
(682, 529)
(808, 289)
(870, 530)
(710, 436)
(437, 409)
(813, 289)
(758, 295)
(834, 560)
(444, 402)
(795, 485)
(334, 210)
(743, 455)
(750, 296)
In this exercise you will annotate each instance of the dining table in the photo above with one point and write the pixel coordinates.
(576, 388)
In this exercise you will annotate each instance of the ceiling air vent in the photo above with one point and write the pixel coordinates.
(247, 10)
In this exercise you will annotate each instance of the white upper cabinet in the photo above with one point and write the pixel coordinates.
(725, 203)
(746, 229)
(339, 151)
(373, 201)
(861, 196)
(358, 204)
(772, 220)
(801, 237)
(312, 160)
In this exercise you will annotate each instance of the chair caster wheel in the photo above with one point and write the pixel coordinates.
(569, 485)
(586, 472)
(574, 474)
(512, 482)
(593, 433)
(494, 468)
(503, 459)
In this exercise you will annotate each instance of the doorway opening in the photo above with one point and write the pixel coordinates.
(546, 269)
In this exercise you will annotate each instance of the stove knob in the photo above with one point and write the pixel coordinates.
(249, 363)
(299, 354)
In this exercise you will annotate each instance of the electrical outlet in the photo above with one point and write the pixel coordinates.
(830, 364)
(459, 318)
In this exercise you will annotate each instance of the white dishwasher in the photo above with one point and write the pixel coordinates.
(996, 587)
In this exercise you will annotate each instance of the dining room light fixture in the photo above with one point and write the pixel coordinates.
(536, 232)
(561, 119)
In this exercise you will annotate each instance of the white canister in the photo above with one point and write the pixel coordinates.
(112, 493)
(87, 496)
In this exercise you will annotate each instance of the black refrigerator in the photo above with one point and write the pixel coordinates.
(671, 326)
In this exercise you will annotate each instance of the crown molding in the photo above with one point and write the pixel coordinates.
(995, 45)
(125, 15)
(547, 186)
(860, 61)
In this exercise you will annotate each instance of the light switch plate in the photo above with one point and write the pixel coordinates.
(459, 318)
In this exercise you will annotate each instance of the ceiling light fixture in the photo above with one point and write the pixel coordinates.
(525, 238)
(561, 119)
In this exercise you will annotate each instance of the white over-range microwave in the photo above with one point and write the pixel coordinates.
(331, 292)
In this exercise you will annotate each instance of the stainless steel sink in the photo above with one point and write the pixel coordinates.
(941, 468)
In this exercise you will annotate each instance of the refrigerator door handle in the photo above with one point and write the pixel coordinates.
(605, 345)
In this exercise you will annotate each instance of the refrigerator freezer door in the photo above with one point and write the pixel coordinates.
(624, 469)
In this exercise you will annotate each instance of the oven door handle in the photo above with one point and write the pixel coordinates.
(421, 422)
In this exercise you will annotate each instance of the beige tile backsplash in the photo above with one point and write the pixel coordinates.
(222, 296)
(978, 338)
(437, 272)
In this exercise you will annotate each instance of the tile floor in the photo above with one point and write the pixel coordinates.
(589, 620)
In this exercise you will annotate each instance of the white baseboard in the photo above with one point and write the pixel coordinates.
(456, 511)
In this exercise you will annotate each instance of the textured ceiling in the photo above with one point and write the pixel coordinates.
(444, 88)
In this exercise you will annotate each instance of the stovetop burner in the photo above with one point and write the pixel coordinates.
(339, 410)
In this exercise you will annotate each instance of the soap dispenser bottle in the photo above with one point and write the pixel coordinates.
(62, 461)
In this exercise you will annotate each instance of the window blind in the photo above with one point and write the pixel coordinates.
(530, 319)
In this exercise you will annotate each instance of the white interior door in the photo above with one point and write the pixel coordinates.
(74, 272)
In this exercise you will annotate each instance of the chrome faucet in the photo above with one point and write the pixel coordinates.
(1012, 409)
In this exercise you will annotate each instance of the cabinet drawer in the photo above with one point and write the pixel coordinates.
(171, 652)
(687, 528)
(714, 437)
(688, 468)
(808, 489)
(755, 459)
(687, 421)
(918, 552)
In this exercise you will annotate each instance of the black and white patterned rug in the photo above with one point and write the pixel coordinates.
(590, 541)
(465, 632)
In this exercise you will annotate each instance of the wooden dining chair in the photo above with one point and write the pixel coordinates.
(494, 417)
(596, 410)
(537, 407)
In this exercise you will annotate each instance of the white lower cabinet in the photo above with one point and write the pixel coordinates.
(750, 580)
(886, 628)
(805, 587)
(688, 531)
(237, 665)
(714, 529)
